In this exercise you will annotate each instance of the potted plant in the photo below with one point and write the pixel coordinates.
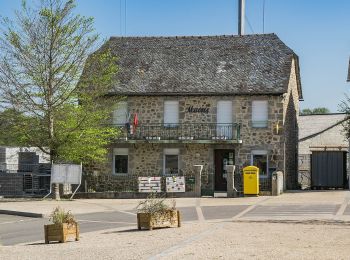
(154, 212)
(64, 226)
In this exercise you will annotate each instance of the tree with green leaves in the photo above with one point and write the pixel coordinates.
(317, 110)
(43, 53)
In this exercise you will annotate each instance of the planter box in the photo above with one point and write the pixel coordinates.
(60, 232)
(168, 218)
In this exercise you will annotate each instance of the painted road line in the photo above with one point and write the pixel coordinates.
(250, 208)
(104, 222)
(188, 241)
(343, 206)
(126, 212)
(199, 211)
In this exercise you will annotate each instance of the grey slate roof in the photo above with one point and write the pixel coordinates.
(214, 65)
(312, 125)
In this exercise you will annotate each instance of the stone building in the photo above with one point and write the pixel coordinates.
(207, 100)
(320, 133)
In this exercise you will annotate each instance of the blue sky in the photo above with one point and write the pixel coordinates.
(318, 31)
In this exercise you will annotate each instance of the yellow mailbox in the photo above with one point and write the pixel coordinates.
(251, 180)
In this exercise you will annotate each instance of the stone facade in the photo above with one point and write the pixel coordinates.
(319, 133)
(147, 158)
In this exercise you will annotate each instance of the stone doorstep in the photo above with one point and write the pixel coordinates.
(220, 194)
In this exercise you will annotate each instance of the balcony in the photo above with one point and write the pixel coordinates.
(181, 133)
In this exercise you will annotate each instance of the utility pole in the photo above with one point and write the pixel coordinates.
(241, 17)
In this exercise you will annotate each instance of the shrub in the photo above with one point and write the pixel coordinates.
(60, 216)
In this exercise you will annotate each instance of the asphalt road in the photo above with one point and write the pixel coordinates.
(16, 230)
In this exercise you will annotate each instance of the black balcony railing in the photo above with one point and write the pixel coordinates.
(182, 132)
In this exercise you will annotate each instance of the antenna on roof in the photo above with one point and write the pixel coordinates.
(241, 17)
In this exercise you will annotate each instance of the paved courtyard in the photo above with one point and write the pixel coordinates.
(307, 225)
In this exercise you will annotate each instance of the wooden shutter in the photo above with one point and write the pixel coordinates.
(224, 119)
(224, 112)
(171, 113)
(259, 113)
(120, 114)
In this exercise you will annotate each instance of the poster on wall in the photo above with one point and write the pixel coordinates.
(149, 184)
(175, 184)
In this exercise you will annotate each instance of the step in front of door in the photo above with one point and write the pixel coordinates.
(220, 194)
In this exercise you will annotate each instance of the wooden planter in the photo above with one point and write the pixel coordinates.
(168, 218)
(60, 232)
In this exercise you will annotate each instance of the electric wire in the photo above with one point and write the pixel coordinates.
(250, 26)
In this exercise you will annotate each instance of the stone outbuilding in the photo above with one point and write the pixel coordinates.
(205, 100)
(320, 135)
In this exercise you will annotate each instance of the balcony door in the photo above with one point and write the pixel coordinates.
(224, 120)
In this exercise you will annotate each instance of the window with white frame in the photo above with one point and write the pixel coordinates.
(171, 113)
(171, 161)
(120, 113)
(259, 158)
(259, 113)
(120, 160)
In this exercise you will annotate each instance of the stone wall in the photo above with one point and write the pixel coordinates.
(281, 146)
(260, 138)
(141, 158)
(332, 137)
(290, 126)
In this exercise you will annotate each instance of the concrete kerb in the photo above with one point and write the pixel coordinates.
(22, 213)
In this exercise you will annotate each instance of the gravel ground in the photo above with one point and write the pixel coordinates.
(201, 240)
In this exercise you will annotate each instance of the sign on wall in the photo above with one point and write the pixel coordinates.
(149, 184)
(175, 184)
(203, 110)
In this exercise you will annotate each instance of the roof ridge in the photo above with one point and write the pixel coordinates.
(192, 36)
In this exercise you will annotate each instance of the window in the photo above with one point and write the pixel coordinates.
(171, 113)
(171, 161)
(259, 159)
(120, 114)
(120, 160)
(259, 113)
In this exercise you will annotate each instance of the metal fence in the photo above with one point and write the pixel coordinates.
(24, 179)
(28, 180)
(129, 182)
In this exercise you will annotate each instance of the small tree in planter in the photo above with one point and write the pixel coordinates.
(64, 225)
(154, 212)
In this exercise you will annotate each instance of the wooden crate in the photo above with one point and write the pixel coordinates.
(60, 232)
(168, 218)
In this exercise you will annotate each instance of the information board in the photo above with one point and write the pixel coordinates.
(66, 173)
(149, 184)
(175, 184)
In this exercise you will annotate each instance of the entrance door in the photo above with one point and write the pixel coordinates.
(222, 159)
